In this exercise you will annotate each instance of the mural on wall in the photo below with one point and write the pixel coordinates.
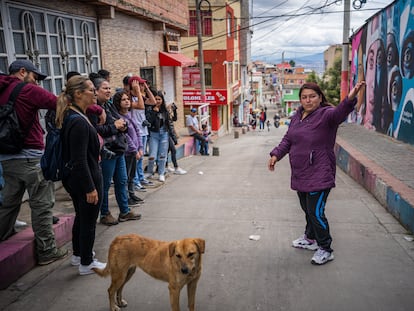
(383, 56)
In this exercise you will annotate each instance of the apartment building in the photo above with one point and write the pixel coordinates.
(226, 51)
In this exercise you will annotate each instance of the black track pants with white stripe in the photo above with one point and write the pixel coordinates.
(317, 227)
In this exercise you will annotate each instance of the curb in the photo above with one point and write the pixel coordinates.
(17, 254)
(393, 194)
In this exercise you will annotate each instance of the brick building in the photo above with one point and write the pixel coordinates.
(125, 37)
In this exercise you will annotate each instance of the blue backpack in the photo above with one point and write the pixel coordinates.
(52, 164)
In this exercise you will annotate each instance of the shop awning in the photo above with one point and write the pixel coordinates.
(175, 59)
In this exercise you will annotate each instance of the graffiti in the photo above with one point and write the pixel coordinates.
(383, 56)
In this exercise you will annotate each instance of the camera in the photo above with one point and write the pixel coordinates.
(146, 123)
(107, 154)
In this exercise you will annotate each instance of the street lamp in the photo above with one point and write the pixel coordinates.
(200, 47)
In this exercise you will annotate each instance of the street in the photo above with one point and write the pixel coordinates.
(226, 199)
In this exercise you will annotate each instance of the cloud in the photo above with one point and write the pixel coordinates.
(302, 27)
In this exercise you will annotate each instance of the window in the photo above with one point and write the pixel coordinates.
(229, 24)
(235, 29)
(55, 42)
(206, 23)
(207, 75)
(148, 73)
(230, 73)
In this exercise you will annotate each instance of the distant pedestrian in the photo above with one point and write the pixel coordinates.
(268, 125)
(310, 143)
(262, 119)
(192, 124)
(206, 134)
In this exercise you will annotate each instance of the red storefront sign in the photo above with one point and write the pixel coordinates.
(213, 97)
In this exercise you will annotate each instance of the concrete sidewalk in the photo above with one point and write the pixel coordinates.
(382, 165)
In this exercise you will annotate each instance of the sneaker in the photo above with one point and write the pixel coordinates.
(179, 171)
(58, 254)
(108, 220)
(141, 188)
(129, 216)
(85, 270)
(171, 169)
(20, 224)
(305, 243)
(162, 178)
(133, 203)
(76, 260)
(321, 257)
(147, 182)
(135, 198)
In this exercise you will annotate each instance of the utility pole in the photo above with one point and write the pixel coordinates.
(200, 49)
(345, 50)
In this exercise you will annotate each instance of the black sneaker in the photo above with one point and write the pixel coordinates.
(129, 216)
(133, 203)
(48, 259)
(135, 198)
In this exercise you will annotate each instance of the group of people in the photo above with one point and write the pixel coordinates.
(104, 138)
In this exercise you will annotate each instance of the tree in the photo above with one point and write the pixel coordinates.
(292, 63)
(313, 77)
(330, 83)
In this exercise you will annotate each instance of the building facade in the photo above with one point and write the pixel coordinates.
(124, 37)
(225, 61)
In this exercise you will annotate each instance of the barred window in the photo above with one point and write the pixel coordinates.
(51, 40)
(206, 23)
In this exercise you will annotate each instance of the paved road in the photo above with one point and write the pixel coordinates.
(224, 200)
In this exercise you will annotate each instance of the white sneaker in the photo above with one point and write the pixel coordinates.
(179, 171)
(162, 178)
(20, 224)
(305, 243)
(85, 270)
(321, 257)
(170, 169)
(76, 260)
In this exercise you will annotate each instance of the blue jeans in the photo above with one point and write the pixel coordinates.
(140, 166)
(158, 148)
(115, 169)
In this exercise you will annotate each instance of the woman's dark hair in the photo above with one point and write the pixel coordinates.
(116, 99)
(317, 89)
(163, 106)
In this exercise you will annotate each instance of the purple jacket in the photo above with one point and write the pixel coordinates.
(310, 144)
(133, 134)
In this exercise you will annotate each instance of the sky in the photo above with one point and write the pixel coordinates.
(298, 28)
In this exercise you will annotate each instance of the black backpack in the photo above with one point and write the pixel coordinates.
(12, 136)
(53, 166)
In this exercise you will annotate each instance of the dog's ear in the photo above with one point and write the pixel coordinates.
(171, 249)
(201, 245)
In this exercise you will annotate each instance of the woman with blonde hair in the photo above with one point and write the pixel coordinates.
(81, 148)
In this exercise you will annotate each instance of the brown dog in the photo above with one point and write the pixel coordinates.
(177, 262)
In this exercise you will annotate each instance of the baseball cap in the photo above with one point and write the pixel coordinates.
(136, 78)
(193, 109)
(28, 65)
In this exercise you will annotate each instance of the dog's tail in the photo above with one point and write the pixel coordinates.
(102, 272)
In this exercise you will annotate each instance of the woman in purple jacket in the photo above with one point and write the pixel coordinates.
(310, 142)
